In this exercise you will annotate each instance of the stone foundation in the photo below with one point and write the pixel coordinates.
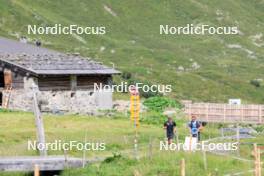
(79, 101)
(20, 100)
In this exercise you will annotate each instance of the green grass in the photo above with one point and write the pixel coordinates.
(118, 134)
(18, 128)
(163, 164)
(138, 48)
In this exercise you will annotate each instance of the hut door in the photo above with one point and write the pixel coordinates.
(2, 81)
(8, 78)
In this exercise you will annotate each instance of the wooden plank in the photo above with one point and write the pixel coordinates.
(88, 81)
(7, 77)
(47, 163)
(226, 113)
(54, 83)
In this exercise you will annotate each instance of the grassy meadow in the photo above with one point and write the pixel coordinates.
(204, 68)
(118, 134)
(199, 67)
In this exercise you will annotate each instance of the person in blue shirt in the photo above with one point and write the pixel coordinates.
(195, 127)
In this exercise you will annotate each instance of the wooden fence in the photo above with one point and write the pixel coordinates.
(225, 113)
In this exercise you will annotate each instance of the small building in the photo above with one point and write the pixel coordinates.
(65, 82)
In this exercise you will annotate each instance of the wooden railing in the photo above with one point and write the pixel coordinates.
(225, 113)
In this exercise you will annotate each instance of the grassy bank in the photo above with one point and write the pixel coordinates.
(166, 163)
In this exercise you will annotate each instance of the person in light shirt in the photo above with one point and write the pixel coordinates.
(195, 127)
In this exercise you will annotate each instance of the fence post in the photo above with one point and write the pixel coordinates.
(182, 169)
(177, 138)
(259, 162)
(207, 112)
(36, 170)
(260, 114)
(256, 153)
(238, 138)
(84, 151)
(222, 132)
(204, 160)
(150, 148)
(65, 158)
(242, 112)
(224, 113)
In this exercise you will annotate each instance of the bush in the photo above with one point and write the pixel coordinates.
(113, 158)
(148, 94)
(259, 128)
(160, 103)
(255, 83)
(155, 118)
(126, 75)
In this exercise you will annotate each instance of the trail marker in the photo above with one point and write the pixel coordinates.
(134, 114)
(134, 106)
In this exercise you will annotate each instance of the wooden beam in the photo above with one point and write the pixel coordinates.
(73, 82)
(38, 121)
(47, 163)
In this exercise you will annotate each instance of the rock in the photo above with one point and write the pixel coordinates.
(195, 66)
(180, 68)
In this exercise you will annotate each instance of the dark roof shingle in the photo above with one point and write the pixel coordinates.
(44, 61)
(56, 64)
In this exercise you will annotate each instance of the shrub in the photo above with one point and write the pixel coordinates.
(113, 158)
(126, 75)
(259, 128)
(160, 103)
(255, 83)
(149, 94)
(155, 118)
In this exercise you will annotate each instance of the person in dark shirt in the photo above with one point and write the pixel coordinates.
(38, 43)
(170, 127)
(195, 127)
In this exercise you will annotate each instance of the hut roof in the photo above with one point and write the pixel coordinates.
(42, 61)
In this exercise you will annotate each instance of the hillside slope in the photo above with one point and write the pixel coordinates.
(199, 67)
